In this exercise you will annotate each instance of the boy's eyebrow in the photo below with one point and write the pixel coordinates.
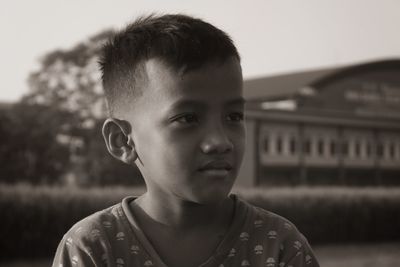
(237, 101)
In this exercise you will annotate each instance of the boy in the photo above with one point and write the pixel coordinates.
(174, 91)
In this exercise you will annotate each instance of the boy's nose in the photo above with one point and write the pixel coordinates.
(216, 142)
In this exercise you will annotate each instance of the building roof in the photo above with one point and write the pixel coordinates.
(290, 83)
(368, 90)
(324, 118)
(284, 84)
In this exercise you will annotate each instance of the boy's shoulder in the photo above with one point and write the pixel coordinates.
(94, 240)
(272, 226)
(275, 237)
(108, 223)
(265, 218)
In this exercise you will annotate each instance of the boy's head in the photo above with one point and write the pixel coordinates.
(174, 87)
(181, 42)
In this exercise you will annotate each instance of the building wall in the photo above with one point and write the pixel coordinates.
(247, 175)
(344, 128)
(292, 152)
(276, 144)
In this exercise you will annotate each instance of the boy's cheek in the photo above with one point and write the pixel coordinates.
(240, 136)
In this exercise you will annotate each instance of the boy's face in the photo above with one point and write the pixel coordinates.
(188, 130)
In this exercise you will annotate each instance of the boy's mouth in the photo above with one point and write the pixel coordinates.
(216, 166)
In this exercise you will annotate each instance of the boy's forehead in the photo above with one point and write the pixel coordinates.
(218, 83)
(156, 69)
(166, 88)
(160, 73)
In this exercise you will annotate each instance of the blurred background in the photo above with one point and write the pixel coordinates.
(322, 81)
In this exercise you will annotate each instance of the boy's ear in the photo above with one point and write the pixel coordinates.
(118, 140)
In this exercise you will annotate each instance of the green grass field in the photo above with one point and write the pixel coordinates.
(361, 255)
(331, 215)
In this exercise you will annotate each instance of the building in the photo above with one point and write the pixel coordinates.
(338, 126)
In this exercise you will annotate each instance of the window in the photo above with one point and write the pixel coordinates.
(320, 147)
(345, 148)
(266, 144)
(368, 149)
(279, 145)
(379, 150)
(307, 146)
(357, 149)
(332, 147)
(292, 145)
(392, 150)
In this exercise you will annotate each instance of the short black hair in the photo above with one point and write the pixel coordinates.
(182, 42)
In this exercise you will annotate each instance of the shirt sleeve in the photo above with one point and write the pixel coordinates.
(299, 254)
(70, 254)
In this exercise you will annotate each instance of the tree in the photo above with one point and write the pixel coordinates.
(68, 81)
(31, 151)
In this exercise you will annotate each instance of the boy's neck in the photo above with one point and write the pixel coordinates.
(184, 224)
(183, 215)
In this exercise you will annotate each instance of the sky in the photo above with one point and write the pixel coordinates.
(272, 36)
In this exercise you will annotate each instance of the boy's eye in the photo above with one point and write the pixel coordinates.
(186, 119)
(235, 117)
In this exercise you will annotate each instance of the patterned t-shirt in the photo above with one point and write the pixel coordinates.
(256, 238)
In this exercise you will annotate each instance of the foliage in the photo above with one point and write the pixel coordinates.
(70, 79)
(41, 215)
(335, 214)
(30, 150)
(54, 133)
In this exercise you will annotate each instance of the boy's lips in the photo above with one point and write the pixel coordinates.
(217, 165)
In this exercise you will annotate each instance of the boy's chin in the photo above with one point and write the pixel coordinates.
(210, 198)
